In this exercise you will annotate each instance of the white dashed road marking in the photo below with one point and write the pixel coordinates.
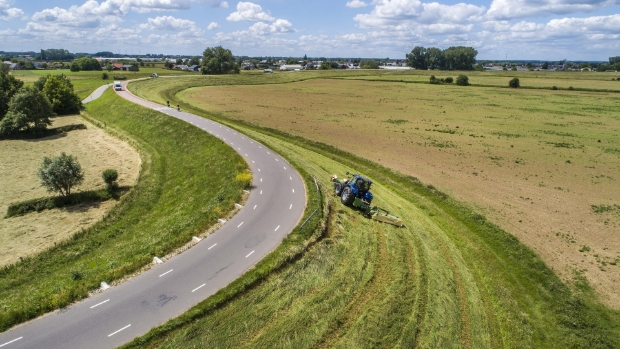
(291, 207)
(249, 254)
(212, 246)
(199, 287)
(7, 343)
(98, 304)
(239, 226)
(124, 328)
(255, 207)
(278, 227)
(169, 271)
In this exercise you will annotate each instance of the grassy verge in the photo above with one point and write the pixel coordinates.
(49, 203)
(186, 183)
(448, 279)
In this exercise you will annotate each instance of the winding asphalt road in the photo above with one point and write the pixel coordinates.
(119, 314)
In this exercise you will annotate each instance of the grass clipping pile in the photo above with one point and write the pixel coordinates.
(95, 150)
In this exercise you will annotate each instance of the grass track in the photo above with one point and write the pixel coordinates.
(450, 279)
(186, 184)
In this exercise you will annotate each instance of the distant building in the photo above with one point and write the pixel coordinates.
(289, 67)
(130, 67)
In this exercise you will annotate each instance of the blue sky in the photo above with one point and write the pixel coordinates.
(517, 29)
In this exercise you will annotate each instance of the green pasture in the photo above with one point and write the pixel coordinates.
(85, 82)
(449, 279)
(187, 182)
(528, 79)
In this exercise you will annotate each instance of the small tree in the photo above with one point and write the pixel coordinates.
(29, 110)
(60, 174)
(74, 67)
(218, 60)
(104, 76)
(514, 83)
(9, 86)
(109, 177)
(449, 80)
(59, 90)
(462, 80)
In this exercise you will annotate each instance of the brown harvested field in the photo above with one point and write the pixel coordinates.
(533, 161)
(34, 232)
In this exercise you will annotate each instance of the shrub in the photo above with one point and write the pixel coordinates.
(109, 177)
(554, 88)
(245, 178)
(60, 174)
(104, 76)
(449, 80)
(514, 83)
(462, 80)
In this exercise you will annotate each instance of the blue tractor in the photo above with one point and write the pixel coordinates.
(355, 191)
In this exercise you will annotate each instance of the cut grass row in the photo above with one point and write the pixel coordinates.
(186, 184)
(449, 279)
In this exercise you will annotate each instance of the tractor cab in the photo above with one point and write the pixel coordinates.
(355, 191)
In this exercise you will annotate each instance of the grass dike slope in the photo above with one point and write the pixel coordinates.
(449, 279)
(185, 185)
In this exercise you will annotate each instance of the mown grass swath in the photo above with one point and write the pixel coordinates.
(448, 279)
(52, 202)
(186, 184)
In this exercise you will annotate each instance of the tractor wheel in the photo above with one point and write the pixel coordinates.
(338, 189)
(347, 196)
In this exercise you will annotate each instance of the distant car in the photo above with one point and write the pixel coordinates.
(118, 86)
(154, 75)
(268, 71)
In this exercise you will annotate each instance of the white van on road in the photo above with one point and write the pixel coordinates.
(118, 86)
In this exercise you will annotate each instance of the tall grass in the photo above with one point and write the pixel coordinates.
(449, 279)
(186, 184)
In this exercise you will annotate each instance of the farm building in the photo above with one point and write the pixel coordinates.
(130, 67)
(291, 67)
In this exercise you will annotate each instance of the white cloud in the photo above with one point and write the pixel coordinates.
(509, 9)
(213, 25)
(169, 23)
(223, 4)
(356, 4)
(248, 11)
(411, 14)
(7, 12)
(108, 8)
(281, 26)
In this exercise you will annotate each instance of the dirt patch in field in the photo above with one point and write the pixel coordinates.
(541, 164)
(95, 151)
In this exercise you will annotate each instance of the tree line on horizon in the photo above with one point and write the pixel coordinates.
(452, 58)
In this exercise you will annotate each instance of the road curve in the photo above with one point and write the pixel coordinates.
(119, 314)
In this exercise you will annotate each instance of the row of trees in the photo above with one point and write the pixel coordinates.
(85, 64)
(452, 58)
(30, 108)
